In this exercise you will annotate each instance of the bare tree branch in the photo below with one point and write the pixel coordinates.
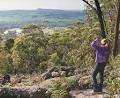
(90, 5)
(100, 16)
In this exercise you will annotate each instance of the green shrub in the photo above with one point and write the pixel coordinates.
(60, 93)
(113, 86)
(58, 90)
(115, 62)
(5, 63)
(61, 87)
(71, 83)
(54, 58)
(85, 82)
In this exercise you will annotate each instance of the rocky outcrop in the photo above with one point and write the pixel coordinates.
(87, 94)
(5, 79)
(63, 73)
(58, 71)
(47, 75)
(32, 92)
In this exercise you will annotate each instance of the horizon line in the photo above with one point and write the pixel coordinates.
(41, 9)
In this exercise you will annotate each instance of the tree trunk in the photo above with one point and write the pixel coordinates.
(100, 17)
(115, 49)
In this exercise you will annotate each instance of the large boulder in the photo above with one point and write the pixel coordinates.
(5, 79)
(70, 74)
(68, 69)
(47, 75)
(63, 73)
(55, 74)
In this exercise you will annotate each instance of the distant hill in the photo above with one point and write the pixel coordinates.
(48, 17)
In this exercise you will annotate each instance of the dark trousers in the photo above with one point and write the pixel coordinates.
(97, 87)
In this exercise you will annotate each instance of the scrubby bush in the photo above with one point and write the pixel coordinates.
(71, 83)
(85, 82)
(60, 88)
(113, 77)
(113, 86)
(5, 63)
(60, 93)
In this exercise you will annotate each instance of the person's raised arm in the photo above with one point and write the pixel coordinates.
(95, 44)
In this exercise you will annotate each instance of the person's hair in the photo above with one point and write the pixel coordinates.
(104, 41)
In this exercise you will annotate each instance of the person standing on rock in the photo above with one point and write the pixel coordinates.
(102, 56)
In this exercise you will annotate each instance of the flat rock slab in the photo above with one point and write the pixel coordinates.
(32, 92)
(89, 94)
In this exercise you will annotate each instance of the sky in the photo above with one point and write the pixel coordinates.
(45, 4)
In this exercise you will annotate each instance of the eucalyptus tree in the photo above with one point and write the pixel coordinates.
(107, 12)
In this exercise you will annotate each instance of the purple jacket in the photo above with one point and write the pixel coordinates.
(102, 53)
